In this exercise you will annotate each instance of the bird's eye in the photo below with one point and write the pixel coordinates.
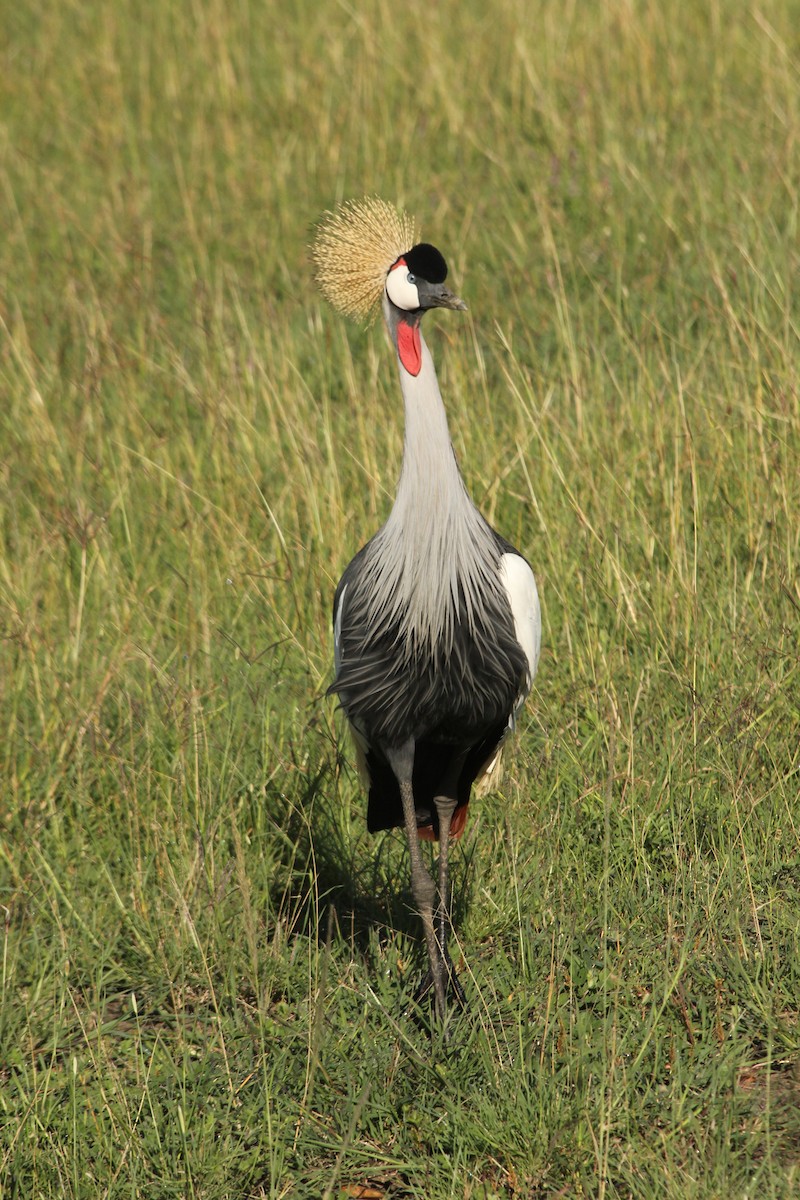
(411, 278)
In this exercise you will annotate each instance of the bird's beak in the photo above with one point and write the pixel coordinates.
(436, 295)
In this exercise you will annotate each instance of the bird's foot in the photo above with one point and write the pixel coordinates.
(454, 987)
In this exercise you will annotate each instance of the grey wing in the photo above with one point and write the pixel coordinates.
(338, 610)
(359, 739)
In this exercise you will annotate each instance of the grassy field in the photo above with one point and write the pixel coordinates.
(204, 957)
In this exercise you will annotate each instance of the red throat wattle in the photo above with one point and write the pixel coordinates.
(409, 347)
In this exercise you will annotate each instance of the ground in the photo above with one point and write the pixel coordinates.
(205, 958)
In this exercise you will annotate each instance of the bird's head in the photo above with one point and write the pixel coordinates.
(416, 281)
(366, 250)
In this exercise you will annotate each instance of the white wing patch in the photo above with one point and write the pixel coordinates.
(520, 585)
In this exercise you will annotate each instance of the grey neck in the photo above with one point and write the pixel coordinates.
(435, 557)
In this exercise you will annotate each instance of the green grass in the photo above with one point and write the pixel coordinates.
(204, 957)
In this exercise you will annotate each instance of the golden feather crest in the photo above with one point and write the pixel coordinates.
(353, 250)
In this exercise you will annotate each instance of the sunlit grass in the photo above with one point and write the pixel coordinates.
(205, 958)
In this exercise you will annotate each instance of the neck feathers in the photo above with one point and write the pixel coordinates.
(435, 559)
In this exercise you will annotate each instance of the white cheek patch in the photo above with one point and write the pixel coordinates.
(400, 291)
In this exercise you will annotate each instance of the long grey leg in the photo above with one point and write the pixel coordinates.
(423, 888)
(445, 807)
(442, 922)
(442, 973)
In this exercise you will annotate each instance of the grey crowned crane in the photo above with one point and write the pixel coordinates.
(436, 620)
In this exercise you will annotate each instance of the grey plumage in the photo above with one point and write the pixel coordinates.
(394, 686)
(436, 619)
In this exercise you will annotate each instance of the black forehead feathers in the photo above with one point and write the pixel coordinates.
(427, 262)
